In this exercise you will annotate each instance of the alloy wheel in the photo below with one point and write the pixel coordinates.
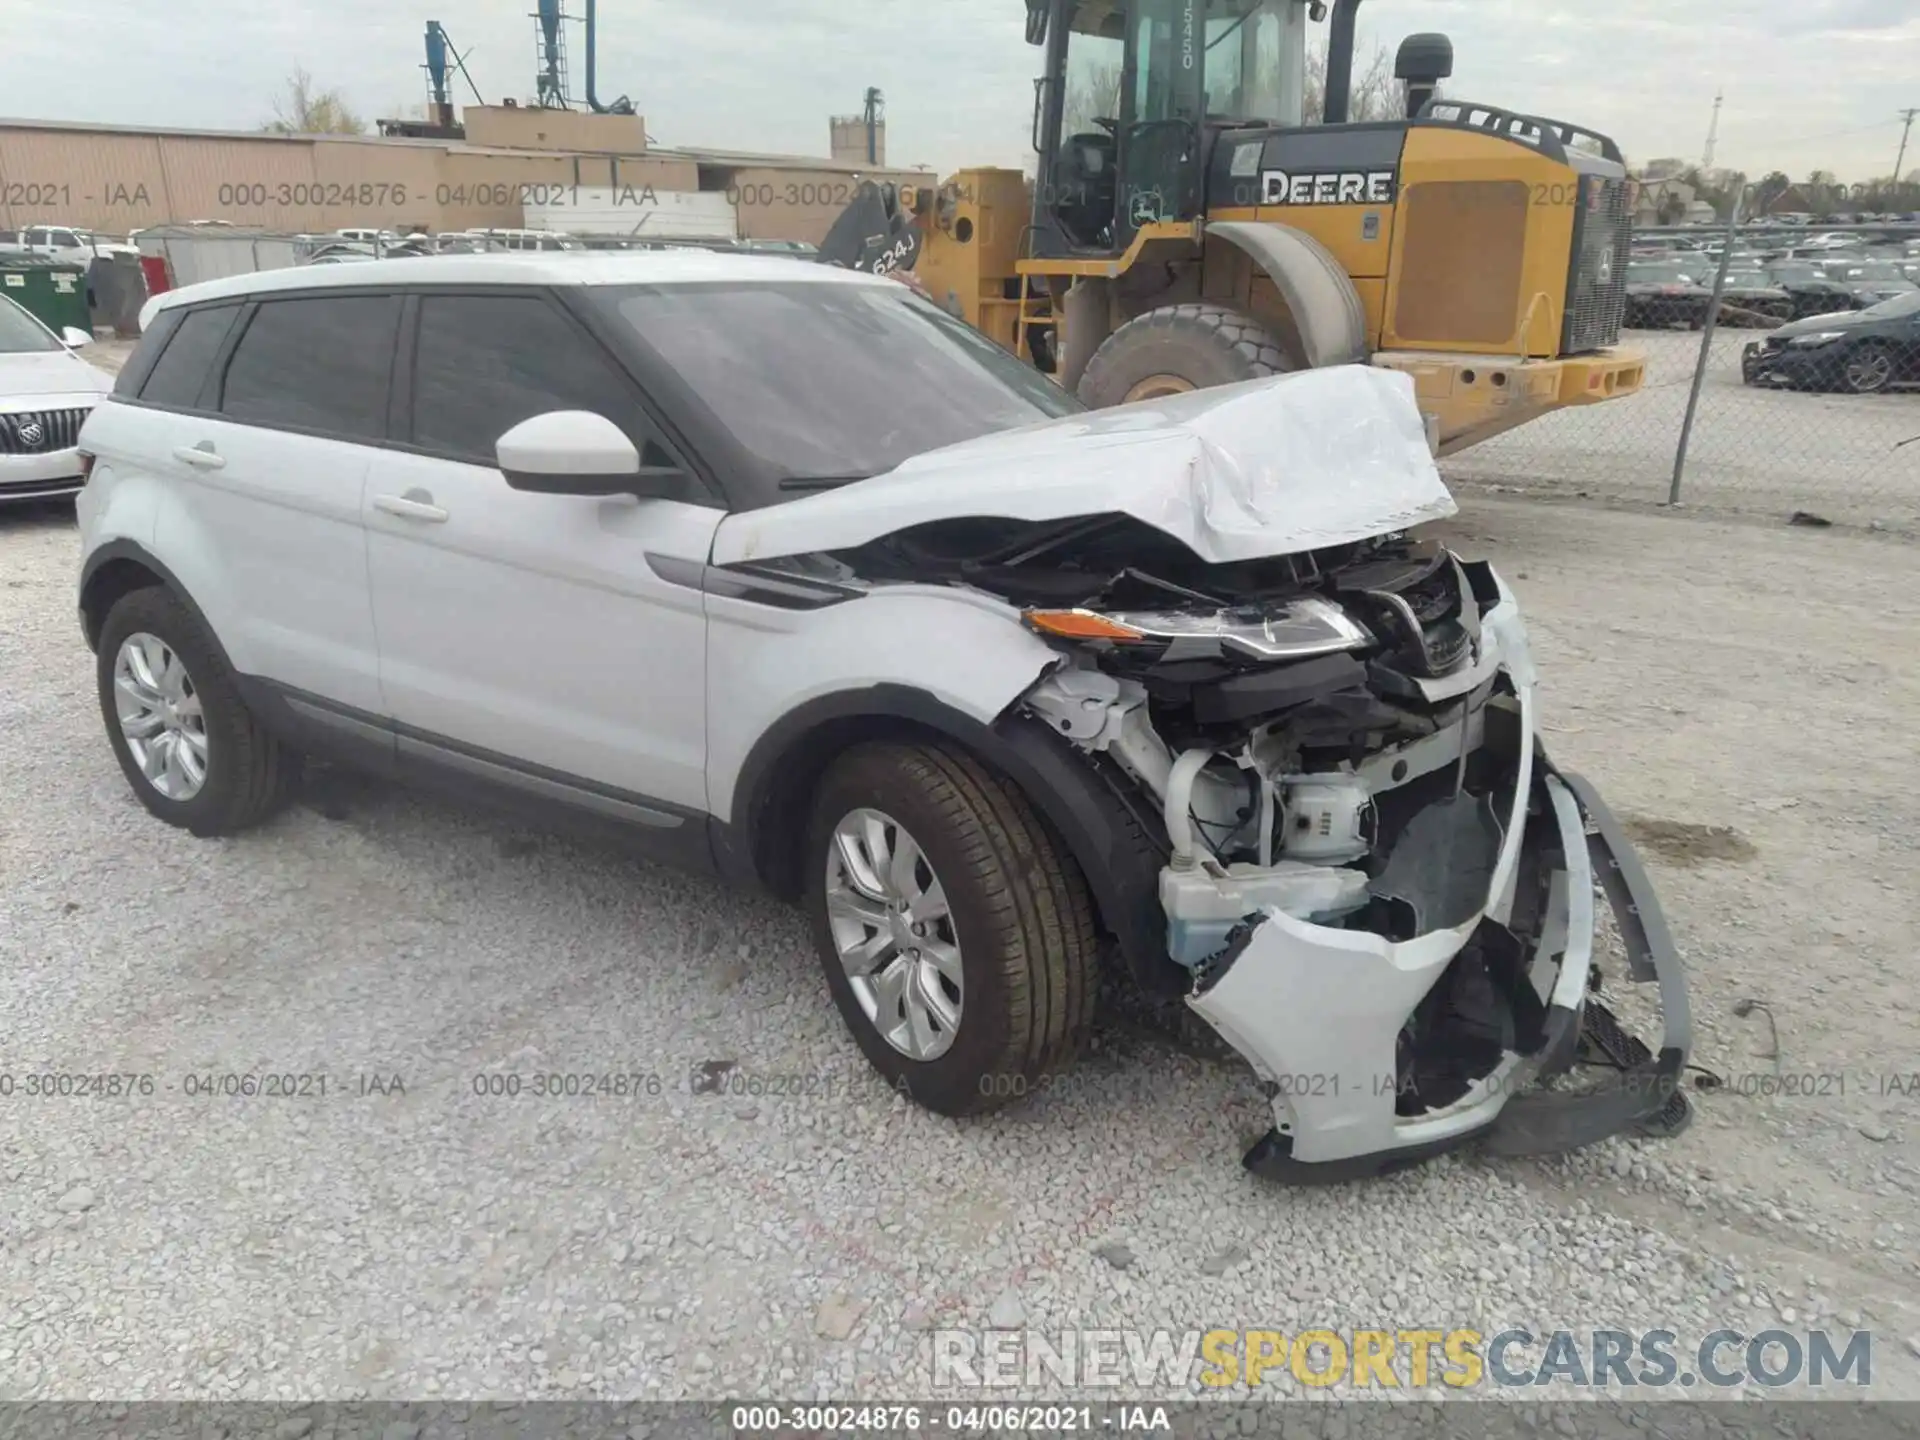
(894, 933)
(160, 716)
(1869, 370)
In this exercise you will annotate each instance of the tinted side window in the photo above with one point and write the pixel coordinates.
(487, 362)
(139, 364)
(186, 362)
(316, 364)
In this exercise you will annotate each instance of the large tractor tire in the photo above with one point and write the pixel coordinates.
(1180, 348)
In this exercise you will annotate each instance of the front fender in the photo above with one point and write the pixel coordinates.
(787, 689)
(964, 651)
(1320, 295)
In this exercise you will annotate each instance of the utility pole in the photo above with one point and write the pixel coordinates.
(1713, 130)
(1906, 115)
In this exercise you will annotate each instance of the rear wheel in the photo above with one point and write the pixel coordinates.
(1868, 370)
(192, 751)
(1180, 348)
(958, 941)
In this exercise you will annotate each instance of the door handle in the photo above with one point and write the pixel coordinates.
(414, 505)
(202, 456)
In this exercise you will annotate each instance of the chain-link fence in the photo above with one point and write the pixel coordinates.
(1805, 343)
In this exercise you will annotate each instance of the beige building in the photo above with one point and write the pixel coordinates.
(114, 181)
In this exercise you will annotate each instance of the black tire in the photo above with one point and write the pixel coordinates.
(1204, 345)
(1884, 365)
(1021, 914)
(248, 774)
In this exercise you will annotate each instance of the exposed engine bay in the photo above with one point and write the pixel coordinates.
(1380, 887)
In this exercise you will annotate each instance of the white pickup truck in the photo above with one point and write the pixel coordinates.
(61, 242)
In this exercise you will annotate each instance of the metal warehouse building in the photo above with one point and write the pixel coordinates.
(513, 166)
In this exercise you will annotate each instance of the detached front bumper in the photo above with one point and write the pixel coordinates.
(1790, 366)
(1319, 1011)
(1495, 995)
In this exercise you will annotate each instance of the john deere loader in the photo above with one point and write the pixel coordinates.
(1187, 227)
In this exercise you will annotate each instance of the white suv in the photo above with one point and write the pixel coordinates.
(780, 571)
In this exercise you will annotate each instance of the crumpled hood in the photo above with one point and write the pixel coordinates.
(1268, 467)
(31, 376)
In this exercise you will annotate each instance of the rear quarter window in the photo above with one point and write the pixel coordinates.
(181, 363)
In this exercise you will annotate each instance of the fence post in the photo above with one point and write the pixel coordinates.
(1706, 344)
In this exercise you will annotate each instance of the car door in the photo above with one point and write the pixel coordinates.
(551, 642)
(270, 473)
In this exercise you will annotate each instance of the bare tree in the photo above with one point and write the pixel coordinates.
(1093, 93)
(1771, 187)
(1374, 95)
(301, 109)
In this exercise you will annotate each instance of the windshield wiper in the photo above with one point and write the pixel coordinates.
(819, 482)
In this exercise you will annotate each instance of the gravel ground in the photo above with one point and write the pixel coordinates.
(1753, 452)
(407, 1237)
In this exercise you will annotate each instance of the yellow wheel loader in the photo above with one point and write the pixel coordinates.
(1186, 227)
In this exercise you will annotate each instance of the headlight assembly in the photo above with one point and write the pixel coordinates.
(1294, 630)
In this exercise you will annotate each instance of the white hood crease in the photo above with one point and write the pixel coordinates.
(1268, 467)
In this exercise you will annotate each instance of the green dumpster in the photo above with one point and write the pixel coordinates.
(55, 291)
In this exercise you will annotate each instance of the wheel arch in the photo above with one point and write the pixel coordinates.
(117, 569)
(1319, 294)
(760, 843)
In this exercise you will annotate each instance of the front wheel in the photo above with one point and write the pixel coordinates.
(1176, 349)
(1868, 370)
(957, 939)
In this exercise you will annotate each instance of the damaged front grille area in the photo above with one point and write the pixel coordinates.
(1364, 782)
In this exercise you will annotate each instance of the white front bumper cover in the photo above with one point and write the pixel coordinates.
(1319, 1011)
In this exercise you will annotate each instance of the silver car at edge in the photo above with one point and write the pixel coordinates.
(46, 394)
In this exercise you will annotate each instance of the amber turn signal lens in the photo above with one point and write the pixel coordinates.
(1080, 625)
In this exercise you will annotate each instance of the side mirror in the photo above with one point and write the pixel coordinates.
(576, 452)
(73, 337)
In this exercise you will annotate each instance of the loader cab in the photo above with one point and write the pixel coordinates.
(1132, 94)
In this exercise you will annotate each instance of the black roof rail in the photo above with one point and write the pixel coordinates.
(1471, 115)
(1535, 130)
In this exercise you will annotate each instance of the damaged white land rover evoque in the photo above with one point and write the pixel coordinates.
(780, 571)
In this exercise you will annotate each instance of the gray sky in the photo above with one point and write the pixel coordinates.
(1809, 83)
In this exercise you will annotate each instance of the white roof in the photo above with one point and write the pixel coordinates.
(557, 267)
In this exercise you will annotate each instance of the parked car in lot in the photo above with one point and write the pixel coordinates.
(1868, 282)
(1665, 293)
(46, 393)
(782, 572)
(1748, 297)
(1810, 288)
(1864, 352)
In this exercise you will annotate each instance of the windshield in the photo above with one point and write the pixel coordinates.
(1906, 304)
(1246, 78)
(1096, 63)
(1882, 271)
(20, 333)
(1658, 275)
(1795, 274)
(821, 383)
